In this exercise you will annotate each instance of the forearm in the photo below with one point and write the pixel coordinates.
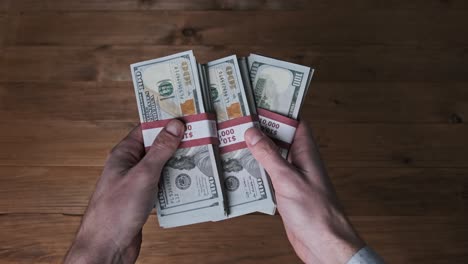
(335, 243)
(343, 245)
(86, 249)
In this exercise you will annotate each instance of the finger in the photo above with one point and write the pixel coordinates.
(267, 154)
(302, 147)
(304, 152)
(127, 152)
(303, 134)
(305, 155)
(163, 147)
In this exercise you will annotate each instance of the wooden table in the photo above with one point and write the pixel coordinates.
(388, 103)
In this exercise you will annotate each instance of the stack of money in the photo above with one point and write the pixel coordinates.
(279, 86)
(190, 188)
(214, 182)
(246, 183)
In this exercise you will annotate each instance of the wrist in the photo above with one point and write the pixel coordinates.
(323, 236)
(339, 241)
(93, 248)
(342, 245)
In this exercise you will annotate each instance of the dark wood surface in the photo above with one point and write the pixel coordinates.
(388, 105)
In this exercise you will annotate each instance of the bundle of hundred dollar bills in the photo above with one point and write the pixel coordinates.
(213, 176)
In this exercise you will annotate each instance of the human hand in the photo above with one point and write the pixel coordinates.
(314, 221)
(110, 230)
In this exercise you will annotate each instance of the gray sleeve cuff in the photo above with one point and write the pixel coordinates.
(366, 256)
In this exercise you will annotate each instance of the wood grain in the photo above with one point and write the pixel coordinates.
(125, 5)
(402, 191)
(45, 238)
(3, 21)
(327, 102)
(4, 5)
(363, 191)
(355, 63)
(63, 190)
(388, 105)
(56, 143)
(387, 102)
(42, 63)
(85, 101)
(401, 27)
(333, 64)
(416, 239)
(86, 143)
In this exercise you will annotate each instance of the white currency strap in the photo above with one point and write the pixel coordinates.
(233, 134)
(194, 131)
(277, 129)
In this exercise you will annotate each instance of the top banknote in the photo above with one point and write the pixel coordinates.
(190, 189)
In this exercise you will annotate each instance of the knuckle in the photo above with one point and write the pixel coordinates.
(115, 152)
(121, 151)
(128, 144)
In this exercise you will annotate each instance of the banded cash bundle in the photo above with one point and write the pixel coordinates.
(213, 176)
(279, 90)
(246, 182)
(190, 188)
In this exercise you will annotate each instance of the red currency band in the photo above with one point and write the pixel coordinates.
(199, 142)
(185, 119)
(204, 123)
(237, 121)
(278, 117)
(194, 143)
(242, 123)
(233, 147)
(281, 143)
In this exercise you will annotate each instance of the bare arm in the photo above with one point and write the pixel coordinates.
(314, 221)
(110, 231)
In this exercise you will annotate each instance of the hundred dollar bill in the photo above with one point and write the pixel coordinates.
(189, 189)
(279, 86)
(245, 181)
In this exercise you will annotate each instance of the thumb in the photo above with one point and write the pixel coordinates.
(164, 146)
(267, 154)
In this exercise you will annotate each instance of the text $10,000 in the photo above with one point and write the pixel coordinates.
(227, 136)
(269, 127)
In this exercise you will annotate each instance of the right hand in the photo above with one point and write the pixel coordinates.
(314, 221)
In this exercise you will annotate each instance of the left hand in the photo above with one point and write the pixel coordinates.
(315, 223)
(110, 231)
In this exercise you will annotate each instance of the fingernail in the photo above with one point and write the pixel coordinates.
(174, 127)
(253, 135)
